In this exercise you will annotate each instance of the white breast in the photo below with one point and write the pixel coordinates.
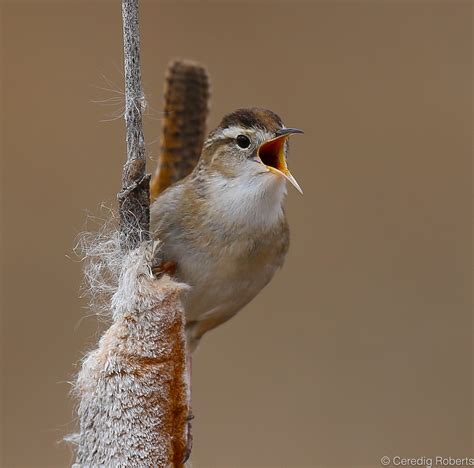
(226, 280)
(249, 200)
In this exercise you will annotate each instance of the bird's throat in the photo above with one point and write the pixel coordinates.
(251, 202)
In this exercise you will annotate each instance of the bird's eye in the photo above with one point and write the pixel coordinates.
(243, 141)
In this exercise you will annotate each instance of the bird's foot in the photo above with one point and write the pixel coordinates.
(164, 268)
(189, 437)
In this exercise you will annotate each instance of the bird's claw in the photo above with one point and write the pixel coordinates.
(163, 268)
(189, 437)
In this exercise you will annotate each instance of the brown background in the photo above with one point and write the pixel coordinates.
(362, 344)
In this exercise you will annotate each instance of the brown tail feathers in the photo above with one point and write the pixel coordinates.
(184, 126)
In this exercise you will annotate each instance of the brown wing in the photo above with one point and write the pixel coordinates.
(184, 125)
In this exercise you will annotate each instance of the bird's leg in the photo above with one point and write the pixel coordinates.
(189, 435)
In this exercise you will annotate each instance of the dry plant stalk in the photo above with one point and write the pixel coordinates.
(134, 199)
(133, 389)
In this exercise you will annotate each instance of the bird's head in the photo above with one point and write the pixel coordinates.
(251, 146)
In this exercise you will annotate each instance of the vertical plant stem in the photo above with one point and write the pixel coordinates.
(133, 387)
(134, 197)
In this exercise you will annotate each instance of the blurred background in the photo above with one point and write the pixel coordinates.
(362, 345)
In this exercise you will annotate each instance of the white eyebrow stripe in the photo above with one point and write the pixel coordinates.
(234, 131)
(231, 132)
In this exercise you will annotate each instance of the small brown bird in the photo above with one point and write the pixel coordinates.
(223, 226)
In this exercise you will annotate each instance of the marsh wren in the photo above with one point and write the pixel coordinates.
(223, 227)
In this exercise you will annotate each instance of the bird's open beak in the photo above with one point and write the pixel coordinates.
(272, 155)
